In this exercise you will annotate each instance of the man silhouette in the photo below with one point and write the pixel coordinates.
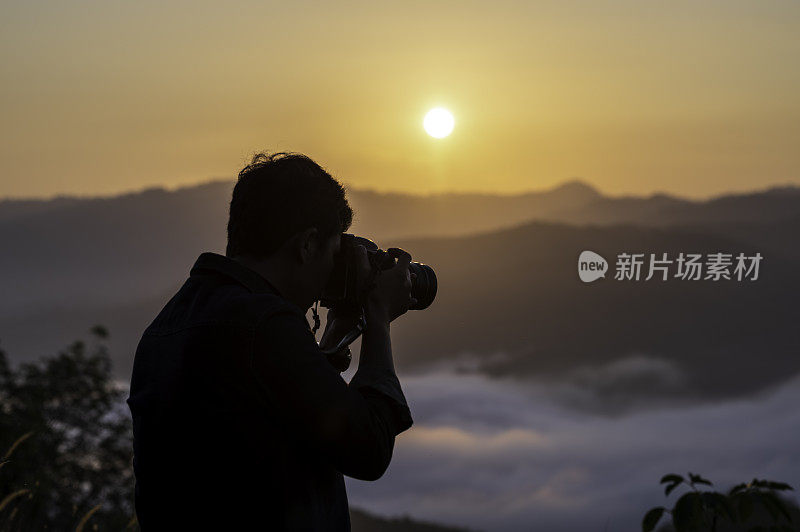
(240, 422)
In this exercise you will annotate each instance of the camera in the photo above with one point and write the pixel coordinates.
(341, 291)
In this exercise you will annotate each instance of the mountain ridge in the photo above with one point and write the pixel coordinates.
(514, 292)
(574, 185)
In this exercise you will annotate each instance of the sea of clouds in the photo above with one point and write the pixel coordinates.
(502, 455)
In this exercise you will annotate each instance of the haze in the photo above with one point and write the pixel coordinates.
(692, 98)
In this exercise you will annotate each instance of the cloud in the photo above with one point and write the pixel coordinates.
(622, 386)
(503, 455)
(455, 439)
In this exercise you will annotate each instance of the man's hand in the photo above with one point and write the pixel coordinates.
(389, 298)
(391, 295)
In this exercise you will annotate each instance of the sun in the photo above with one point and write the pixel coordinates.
(439, 122)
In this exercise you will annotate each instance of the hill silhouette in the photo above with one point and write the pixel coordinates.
(509, 303)
(510, 300)
(515, 295)
(362, 521)
(111, 251)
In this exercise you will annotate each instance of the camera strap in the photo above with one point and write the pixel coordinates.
(315, 314)
(339, 356)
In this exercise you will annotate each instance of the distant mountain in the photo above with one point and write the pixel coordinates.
(400, 215)
(111, 250)
(509, 294)
(11, 209)
(662, 210)
(362, 521)
(512, 301)
(105, 250)
(778, 235)
(115, 250)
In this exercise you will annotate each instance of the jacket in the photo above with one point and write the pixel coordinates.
(239, 420)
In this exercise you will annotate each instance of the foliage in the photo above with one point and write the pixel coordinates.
(68, 463)
(699, 510)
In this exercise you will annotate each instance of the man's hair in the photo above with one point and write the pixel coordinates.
(279, 195)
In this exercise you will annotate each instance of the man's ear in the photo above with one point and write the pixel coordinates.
(306, 244)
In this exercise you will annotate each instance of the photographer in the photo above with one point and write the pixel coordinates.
(240, 420)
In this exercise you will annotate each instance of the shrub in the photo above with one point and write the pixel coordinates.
(744, 507)
(67, 433)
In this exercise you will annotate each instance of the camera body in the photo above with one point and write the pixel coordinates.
(341, 292)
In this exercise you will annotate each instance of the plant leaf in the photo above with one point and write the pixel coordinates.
(745, 507)
(651, 519)
(688, 512)
(737, 488)
(780, 486)
(671, 478)
(697, 479)
(778, 504)
(720, 504)
(769, 505)
(100, 331)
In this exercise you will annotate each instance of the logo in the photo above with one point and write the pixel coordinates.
(717, 266)
(591, 266)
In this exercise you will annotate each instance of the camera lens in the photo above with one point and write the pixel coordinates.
(423, 288)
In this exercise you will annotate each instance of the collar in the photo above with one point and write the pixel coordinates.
(215, 262)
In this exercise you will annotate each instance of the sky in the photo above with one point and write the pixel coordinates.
(693, 98)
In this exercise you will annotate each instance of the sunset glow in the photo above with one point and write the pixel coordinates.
(632, 97)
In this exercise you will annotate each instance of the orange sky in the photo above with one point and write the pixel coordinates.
(689, 97)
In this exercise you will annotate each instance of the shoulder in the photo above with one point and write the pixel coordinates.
(257, 309)
(278, 315)
(272, 307)
(281, 325)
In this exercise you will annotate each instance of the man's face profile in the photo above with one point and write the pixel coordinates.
(323, 260)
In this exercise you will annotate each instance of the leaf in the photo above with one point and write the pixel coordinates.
(780, 486)
(100, 331)
(671, 478)
(720, 504)
(778, 504)
(769, 505)
(671, 487)
(745, 507)
(737, 488)
(688, 513)
(651, 518)
(697, 479)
